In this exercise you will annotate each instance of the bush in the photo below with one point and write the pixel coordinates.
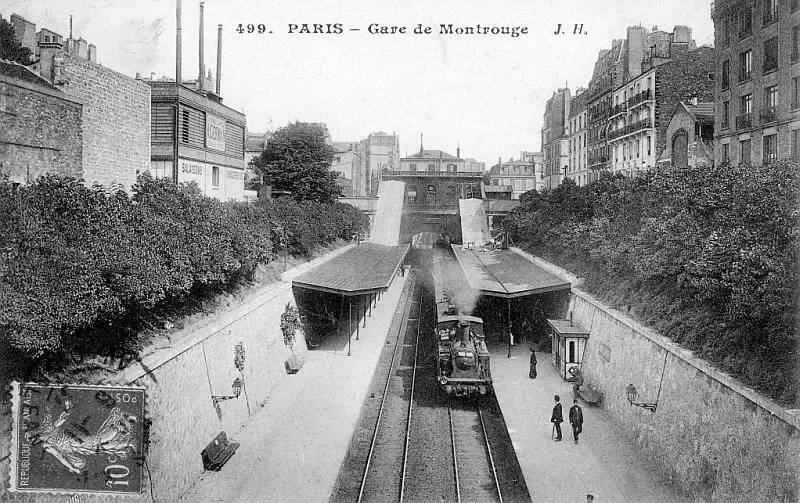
(718, 246)
(80, 267)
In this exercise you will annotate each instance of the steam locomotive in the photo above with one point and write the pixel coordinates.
(462, 366)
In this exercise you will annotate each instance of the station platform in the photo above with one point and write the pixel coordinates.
(292, 449)
(603, 462)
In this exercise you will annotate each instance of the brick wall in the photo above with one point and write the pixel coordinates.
(679, 80)
(40, 131)
(116, 119)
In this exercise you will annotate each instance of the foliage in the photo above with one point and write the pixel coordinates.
(10, 48)
(290, 323)
(707, 255)
(297, 158)
(81, 268)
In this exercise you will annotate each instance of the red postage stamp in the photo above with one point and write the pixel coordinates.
(76, 438)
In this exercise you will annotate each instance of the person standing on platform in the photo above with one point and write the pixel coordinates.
(532, 373)
(557, 418)
(576, 420)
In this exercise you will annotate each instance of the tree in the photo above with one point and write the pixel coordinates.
(297, 159)
(10, 48)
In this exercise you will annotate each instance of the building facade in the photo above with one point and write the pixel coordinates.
(609, 95)
(41, 127)
(578, 170)
(643, 106)
(195, 138)
(690, 136)
(434, 182)
(363, 163)
(757, 80)
(521, 176)
(555, 141)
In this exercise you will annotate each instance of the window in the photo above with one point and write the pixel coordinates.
(572, 354)
(450, 198)
(411, 194)
(771, 54)
(638, 148)
(215, 177)
(430, 197)
(47, 38)
(770, 11)
(795, 92)
(795, 43)
(770, 148)
(412, 166)
(725, 32)
(649, 82)
(185, 126)
(744, 149)
(795, 134)
(451, 168)
(725, 152)
(726, 114)
(431, 168)
(745, 21)
(649, 151)
(726, 74)
(771, 97)
(746, 105)
(746, 65)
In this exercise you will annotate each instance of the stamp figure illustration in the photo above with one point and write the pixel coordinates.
(75, 438)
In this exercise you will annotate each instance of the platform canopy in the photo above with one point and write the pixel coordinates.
(506, 274)
(362, 270)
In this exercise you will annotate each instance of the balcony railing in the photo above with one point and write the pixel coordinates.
(770, 16)
(630, 128)
(430, 174)
(769, 114)
(744, 121)
(622, 107)
(640, 98)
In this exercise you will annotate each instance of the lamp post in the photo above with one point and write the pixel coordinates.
(632, 395)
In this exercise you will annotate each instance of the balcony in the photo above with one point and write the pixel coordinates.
(744, 121)
(640, 98)
(630, 129)
(622, 107)
(770, 16)
(433, 174)
(769, 114)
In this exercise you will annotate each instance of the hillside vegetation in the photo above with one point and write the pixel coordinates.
(706, 256)
(82, 269)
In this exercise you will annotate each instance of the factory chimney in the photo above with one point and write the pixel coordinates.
(219, 58)
(178, 43)
(202, 74)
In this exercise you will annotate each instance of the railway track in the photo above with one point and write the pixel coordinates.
(412, 442)
(474, 469)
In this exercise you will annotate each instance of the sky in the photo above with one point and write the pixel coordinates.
(485, 93)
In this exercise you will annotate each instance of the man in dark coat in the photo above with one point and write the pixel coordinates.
(557, 418)
(576, 420)
(532, 373)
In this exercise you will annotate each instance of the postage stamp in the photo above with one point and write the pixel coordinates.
(77, 438)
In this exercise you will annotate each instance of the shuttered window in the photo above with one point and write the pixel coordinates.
(193, 127)
(161, 118)
(234, 140)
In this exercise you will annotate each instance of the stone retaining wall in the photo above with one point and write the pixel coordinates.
(180, 381)
(712, 436)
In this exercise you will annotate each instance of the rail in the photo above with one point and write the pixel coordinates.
(410, 407)
(383, 403)
(489, 455)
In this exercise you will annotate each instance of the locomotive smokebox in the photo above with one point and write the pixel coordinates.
(463, 330)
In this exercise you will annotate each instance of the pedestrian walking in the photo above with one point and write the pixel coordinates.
(590, 498)
(576, 420)
(532, 373)
(557, 418)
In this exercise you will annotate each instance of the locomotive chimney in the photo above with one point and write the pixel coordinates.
(219, 58)
(201, 62)
(178, 43)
